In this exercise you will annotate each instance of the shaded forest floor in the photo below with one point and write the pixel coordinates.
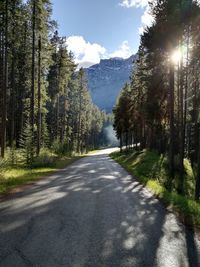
(151, 169)
(18, 174)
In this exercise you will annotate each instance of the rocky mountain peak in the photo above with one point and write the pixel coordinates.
(106, 79)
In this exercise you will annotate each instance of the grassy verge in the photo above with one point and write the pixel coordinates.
(152, 171)
(19, 174)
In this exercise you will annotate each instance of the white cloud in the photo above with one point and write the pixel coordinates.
(124, 51)
(134, 3)
(141, 30)
(85, 53)
(146, 19)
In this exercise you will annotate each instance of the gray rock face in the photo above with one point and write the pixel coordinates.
(106, 79)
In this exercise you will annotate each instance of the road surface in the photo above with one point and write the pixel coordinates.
(93, 213)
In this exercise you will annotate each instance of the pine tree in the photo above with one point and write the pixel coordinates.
(26, 144)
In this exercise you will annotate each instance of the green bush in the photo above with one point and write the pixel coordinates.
(61, 149)
(45, 159)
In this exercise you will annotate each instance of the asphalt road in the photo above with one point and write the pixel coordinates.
(92, 214)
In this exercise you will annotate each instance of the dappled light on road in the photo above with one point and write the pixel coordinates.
(93, 213)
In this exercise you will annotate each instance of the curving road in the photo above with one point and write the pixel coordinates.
(93, 213)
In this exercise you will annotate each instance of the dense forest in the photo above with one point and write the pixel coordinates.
(44, 99)
(159, 108)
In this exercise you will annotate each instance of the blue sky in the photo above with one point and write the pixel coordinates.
(100, 28)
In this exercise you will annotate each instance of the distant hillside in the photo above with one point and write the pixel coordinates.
(106, 79)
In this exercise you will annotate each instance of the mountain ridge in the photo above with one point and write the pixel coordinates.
(106, 79)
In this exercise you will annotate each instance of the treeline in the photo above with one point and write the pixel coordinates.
(159, 109)
(44, 101)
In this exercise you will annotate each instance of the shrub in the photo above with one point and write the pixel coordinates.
(45, 159)
(61, 149)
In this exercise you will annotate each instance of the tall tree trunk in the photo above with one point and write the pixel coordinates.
(32, 104)
(126, 139)
(57, 116)
(80, 118)
(197, 186)
(121, 143)
(20, 122)
(171, 107)
(12, 123)
(5, 87)
(2, 31)
(182, 132)
(39, 98)
(13, 91)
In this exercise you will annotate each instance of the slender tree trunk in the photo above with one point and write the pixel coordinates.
(64, 122)
(2, 36)
(80, 118)
(121, 144)
(186, 87)
(197, 186)
(126, 139)
(171, 107)
(78, 137)
(32, 104)
(57, 116)
(182, 132)
(136, 138)
(39, 98)
(12, 134)
(20, 122)
(5, 87)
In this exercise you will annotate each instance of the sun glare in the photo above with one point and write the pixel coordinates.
(176, 56)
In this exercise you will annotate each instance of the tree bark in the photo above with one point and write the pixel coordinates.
(197, 186)
(39, 98)
(5, 87)
(32, 102)
(171, 107)
(182, 132)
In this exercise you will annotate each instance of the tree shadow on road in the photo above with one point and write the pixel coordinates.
(97, 216)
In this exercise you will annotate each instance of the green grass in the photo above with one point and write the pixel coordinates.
(151, 169)
(19, 174)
